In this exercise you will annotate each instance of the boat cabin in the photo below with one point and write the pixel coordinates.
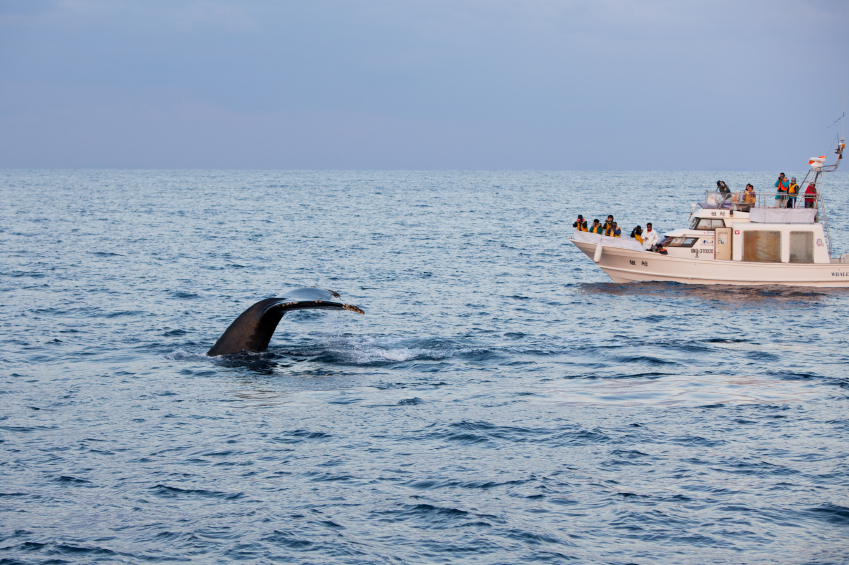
(758, 234)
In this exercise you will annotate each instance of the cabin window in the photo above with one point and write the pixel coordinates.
(678, 241)
(801, 247)
(762, 246)
(709, 224)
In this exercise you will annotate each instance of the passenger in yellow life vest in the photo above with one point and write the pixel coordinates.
(607, 224)
(637, 233)
(580, 224)
(749, 196)
(792, 191)
(596, 227)
(613, 231)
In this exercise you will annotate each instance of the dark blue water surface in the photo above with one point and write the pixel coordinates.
(500, 402)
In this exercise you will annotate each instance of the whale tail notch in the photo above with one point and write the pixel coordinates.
(253, 329)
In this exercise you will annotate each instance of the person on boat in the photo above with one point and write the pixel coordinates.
(659, 249)
(792, 191)
(580, 224)
(637, 233)
(596, 227)
(608, 223)
(613, 231)
(649, 237)
(781, 185)
(811, 196)
(723, 189)
(749, 196)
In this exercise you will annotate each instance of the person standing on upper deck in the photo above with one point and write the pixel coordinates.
(811, 196)
(781, 185)
(650, 237)
(792, 191)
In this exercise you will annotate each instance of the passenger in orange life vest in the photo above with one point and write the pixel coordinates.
(781, 186)
(649, 237)
(608, 223)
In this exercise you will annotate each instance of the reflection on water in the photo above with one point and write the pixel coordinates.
(680, 391)
(645, 392)
(719, 296)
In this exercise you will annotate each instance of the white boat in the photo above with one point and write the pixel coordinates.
(736, 239)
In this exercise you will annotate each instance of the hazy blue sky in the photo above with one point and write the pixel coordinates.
(407, 84)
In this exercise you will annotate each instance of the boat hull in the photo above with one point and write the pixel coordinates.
(626, 265)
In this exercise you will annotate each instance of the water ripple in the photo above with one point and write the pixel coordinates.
(500, 402)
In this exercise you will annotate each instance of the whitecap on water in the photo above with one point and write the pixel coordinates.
(183, 355)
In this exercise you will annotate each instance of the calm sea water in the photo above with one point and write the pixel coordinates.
(500, 402)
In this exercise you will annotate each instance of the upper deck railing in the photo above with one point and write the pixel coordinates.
(744, 201)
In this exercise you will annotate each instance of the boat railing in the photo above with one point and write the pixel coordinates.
(743, 200)
(822, 214)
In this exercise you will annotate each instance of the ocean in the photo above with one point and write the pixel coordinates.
(501, 401)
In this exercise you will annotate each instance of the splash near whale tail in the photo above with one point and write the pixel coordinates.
(253, 329)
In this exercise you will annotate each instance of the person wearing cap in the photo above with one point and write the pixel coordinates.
(649, 237)
(596, 227)
(781, 186)
(811, 196)
(792, 191)
(580, 224)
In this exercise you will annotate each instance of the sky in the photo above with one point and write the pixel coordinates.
(421, 84)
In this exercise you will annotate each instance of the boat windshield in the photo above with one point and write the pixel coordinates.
(678, 241)
(706, 224)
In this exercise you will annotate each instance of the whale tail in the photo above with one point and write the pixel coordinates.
(253, 329)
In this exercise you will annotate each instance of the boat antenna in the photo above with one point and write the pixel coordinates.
(842, 116)
(842, 143)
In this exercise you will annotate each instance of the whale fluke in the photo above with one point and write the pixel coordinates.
(253, 329)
